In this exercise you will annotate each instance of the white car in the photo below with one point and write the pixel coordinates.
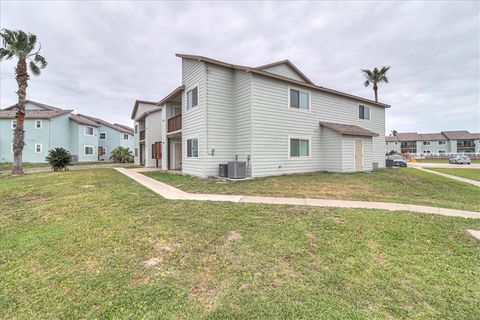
(458, 159)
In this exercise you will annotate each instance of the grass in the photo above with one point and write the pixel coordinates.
(401, 185)
(5, 166)
(441, 160)
(94, 244)
(472, 174)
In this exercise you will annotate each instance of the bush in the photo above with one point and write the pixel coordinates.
(121, 155)
(58, 158)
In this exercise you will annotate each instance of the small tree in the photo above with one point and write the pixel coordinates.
(58, 158)
(375, 77)
(121, 155)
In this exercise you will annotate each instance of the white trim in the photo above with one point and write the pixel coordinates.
(11, 147)
(309, 138)
(363, 154)
(369, 112)
(309, 110)
(100, 135)
(173, 153)
(84, 151)
(41, 124)
(186, 147)
(41, 147)
(198, 97)
(85, 133)
(13, 124)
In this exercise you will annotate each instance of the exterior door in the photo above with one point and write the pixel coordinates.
(358, 154)
(177, 158)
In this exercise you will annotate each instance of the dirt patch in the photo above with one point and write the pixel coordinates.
(87, 186)
(151, 262)
(312, 238)
(234, 236)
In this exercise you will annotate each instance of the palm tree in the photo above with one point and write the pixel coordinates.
(394, 133)
(21, 45)
(374, 77)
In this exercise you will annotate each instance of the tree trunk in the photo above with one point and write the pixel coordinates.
(375, 89)
(19, 134)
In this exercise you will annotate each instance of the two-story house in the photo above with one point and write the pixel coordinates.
(47, 127)
(273, 117)
(445, 142)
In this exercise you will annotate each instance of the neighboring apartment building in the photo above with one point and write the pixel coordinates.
(272, 117)
(47, 127)
(445, 142)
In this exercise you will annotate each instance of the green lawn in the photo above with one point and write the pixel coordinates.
(403, 185)
(8, 165)
(473, 174)
(441, 160)
(94, 244)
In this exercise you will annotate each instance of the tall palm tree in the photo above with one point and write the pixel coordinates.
(375, 77)
(21, 45)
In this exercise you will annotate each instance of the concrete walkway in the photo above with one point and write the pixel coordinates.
(173, 193)
(444, 165)
(473, 182)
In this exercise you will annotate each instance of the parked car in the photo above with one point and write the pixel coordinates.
(458, 159)
(398, 161)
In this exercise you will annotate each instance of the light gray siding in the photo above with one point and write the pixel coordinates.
(331, 150)
(153, 133)
(285, 71)
(348, 153)
(193, 120)
(242, 90)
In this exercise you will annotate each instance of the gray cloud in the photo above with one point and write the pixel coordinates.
(104, 55)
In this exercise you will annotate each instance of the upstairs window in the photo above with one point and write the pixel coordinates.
(14, 124)
(192, 98)
(299, 100)
(363, 112)
(442, 142)
(426, 143)
(125, 136)
(38, 124)
(299, 148)
(89, 131)
(192, 148)
(103, 135)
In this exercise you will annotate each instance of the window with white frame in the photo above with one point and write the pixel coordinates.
(442, 142)
(363, 112)
(102, 135)
(299, 147)
(89, 131)
(14, 124)
(426, 143)
(125, 136)
(38, 124)
(88, 150)
(192, 98)
(299, 99)
(192, 148)
(38, 148)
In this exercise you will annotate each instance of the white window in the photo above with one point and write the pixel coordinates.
(363, 112)
(89, 131)
(298, 99)
(442, 142)
(88, 150)
(125, 136)
(192, 148)
(38, 124)
(426, 143)
(102, 135)
(299, 147)
(38, 148)
(192, 98)
(14, 124)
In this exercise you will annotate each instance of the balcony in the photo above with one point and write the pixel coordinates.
(142, 135)
(174, 124)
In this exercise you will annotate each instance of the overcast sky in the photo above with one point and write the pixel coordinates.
(104, 55)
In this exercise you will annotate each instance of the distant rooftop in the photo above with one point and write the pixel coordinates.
(444, 135)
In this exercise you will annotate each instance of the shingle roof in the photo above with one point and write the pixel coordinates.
(278, 77)
(81, 120)
(108, 124)
(348, 129)
(391, 139)
(460, 134)
(46, 111)
(431, 137)
(444, 135)
(125, 127)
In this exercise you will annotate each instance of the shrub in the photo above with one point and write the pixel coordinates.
(58, 158)
(121, 155)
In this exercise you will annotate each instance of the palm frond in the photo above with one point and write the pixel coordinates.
(366, 83)
(34, 68)
(4, 53)
(40, 59)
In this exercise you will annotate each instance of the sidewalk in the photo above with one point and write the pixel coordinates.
(173, 193)
(79, 167)
(473, 182)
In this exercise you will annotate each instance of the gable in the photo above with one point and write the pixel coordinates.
(284, 70)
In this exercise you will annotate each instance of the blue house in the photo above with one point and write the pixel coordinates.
(47, 127)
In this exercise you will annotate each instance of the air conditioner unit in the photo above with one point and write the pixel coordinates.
(237, 169)
(223, 170)
(73, 158)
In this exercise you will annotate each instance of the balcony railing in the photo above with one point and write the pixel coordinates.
(175, 123)
(142, 135)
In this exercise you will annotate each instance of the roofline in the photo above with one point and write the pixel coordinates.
(105, 123)
(46, 106)
(60, 112)
(171, 95)
(146, 113)
(85, 124)
(135, 106)
(291, 65)
(278, 77)
(331, 126)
